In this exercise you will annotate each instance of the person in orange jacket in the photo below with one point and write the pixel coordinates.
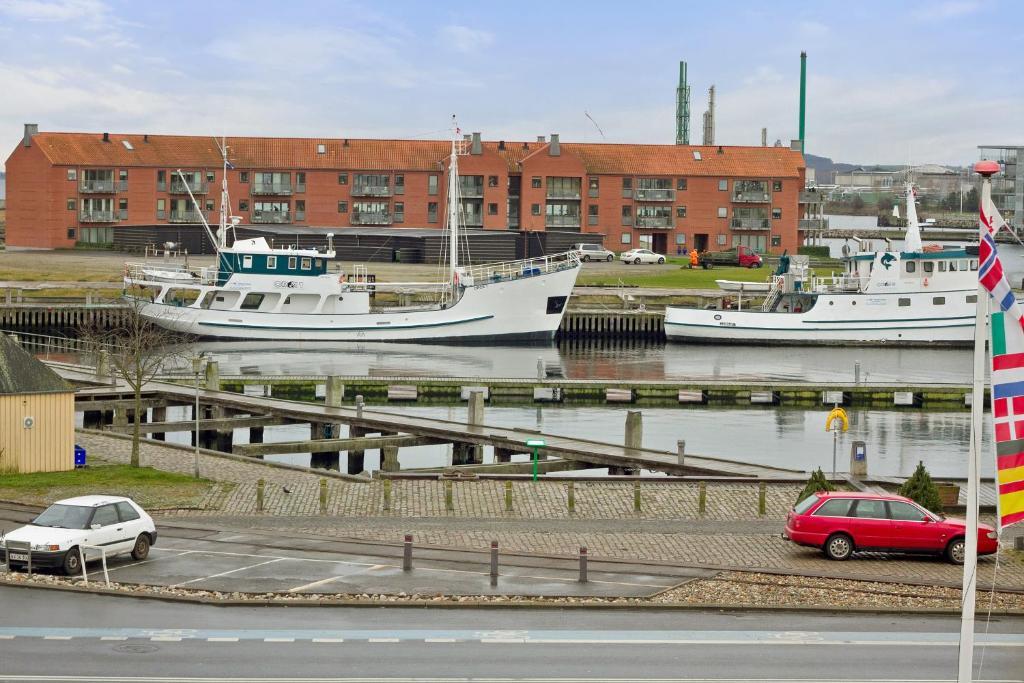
(694, 258)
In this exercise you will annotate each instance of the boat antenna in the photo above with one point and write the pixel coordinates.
(225, 200)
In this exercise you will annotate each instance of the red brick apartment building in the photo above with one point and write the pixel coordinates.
(77, 188)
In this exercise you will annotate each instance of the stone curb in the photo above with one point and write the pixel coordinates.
(559, 604)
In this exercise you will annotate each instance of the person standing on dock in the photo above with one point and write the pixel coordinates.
(694, 258)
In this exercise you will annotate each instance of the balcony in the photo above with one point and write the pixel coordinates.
(188, 216)
(751, 197)
(97, 216)
(813, 224)
(371, 218)
(562, 221)
(563, 194)
(473, 220)
(653, 222)
(654, 194)
(371, 191)
(271, 217)
(104, 186)
(179, 186)
(272, 189)
(750, 224)
(471, 191)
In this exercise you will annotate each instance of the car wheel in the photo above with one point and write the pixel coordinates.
(610, 257)
(140, 550)
(72, 564)
(586, 258)
(661, 261)
(839, 547)
(636, 261)
(956, 550)
(755, 265)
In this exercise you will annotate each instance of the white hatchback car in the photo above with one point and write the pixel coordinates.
(641, 256)
(114, 523)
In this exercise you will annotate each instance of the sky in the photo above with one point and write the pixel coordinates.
(924, 81)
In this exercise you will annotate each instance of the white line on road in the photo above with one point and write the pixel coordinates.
(441, 640)
(383, 640)
(57, 637)
(278, 640)
(113, 637)
(230, 571)
(328, 640)
(222, 640)
(165, 639)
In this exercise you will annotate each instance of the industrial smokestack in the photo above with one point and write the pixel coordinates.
(803, 98)
(682, 108)
(709, 118)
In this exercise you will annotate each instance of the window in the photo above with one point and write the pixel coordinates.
(252, 301)
(681, 183)
(681, 238)
(680, 212)
(564, 188)
(300, 181)
(627, 211)
(627, 237)
(938, 301)
(834, 507)
(903, 301)
(492, 181)
(535, 209)
(71, 204)
(321, 149)
(243, 176)
(905, 512)
(292, 262)
(210, 176)
(593, 187)
(723, 212)
(592, 210)
(160, 208)
(271, 262)
(928, 266)
(432, 212)
(343, 178)
(243, 204)
(399, 183)
(161, 181)
(974, 264)
(776, 240)
(300, 209)
(71, 233)
(776, 214)
(72, 174)
(432, 184)
(721, 240)
(627, 183)
(342, 207)
(126, 512)
(492, 209)
(122, 208)
(247, 261)
(805, 504)
(307, 263)
(105, 515)
(870, 509)
(399, 214)
(696, 155)
(209, 205)
(776, 186)
(911, 267)
(723, 185)
(535, 181)
(942, 266)
(972, 298)
(122, 179)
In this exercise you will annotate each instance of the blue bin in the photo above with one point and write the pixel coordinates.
(79, 456)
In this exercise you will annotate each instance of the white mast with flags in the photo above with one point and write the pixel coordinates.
(913, 236)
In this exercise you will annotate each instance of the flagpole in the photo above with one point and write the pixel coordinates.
(970, 578)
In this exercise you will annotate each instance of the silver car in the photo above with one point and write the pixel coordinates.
(593, 252)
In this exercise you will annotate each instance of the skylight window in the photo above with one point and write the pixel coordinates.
(127, 145)
(321, 149)
(696, 155)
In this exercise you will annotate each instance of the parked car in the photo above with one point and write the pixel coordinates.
(737, 256)
(593, 252)
(841, 523)
(116, 524)
(638, 256)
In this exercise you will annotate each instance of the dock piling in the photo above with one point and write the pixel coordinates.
(681, 452)
(449, 499)
(570, 496)
(387, 495)
(636, 496)
(406, 552)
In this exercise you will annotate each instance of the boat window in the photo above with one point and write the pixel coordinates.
(972, 298)
(904, 301)
(321, 264)
(291, 262)
(942, 266)
(952, 266)
(272, 262)
(963, 265)
(252, 301)
(928, 266)
(939, 300)
(307, 263)
(911, 266)
(247, 261)
(974, 264)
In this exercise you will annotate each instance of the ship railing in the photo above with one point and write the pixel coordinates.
(514, 270)
(838, 283)
(136, 272)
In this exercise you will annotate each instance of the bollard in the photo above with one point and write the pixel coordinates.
(449, 503)
(323, 496)
(359, 405)
(583, 564)
(634, 429)
(680, 452)
(542, 372)
(494, 563)
(571, 496)
(259, 495)
(762, 490)
(387, 495)
(702, 498)
(636, 496)
(508, 496)
(407, 553)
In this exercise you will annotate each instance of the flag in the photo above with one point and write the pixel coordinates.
(990, 271)
(1008, 416)
(993, 222)
(230, 165)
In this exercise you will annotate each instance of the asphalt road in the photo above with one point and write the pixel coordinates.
(51, 636)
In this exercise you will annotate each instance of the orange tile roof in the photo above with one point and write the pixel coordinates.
(89, 149)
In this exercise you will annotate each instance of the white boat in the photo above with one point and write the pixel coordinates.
(259, 292)
(915, 296)
(738, 286)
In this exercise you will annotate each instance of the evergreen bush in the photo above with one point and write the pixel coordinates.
(921, 489)
(814, 251)
(816, 483)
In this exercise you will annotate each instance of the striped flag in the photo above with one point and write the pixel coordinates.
(1008, 416)
(990, 271)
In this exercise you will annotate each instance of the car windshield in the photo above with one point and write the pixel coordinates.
(64, 516)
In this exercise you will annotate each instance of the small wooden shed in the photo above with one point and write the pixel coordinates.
(37, 414)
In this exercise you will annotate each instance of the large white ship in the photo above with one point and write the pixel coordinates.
(259, 292)
(920, 295)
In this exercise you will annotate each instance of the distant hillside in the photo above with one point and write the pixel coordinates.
(825, 169)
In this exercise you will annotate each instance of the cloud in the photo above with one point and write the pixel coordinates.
(949, 9)
(812, 29)
(54, 10)
(464, 39)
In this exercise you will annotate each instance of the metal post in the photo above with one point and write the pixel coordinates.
(681, 452)
(856, 372)
(449, 503)
(762, 503)
(636, 496)
(494, 563)
(260, 484)
(835, 445)
(583, 564)
(571, 496)
(197, 364)
(407, 553)
(508, 496)
(536, 461)
(702, 498)
(387, 495)
(81, 558)
(323, 496)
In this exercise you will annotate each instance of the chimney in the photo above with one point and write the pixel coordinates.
(555, 149)
(476, 147)
(345, 144)
(31, 129)
(764, 137)
(106, 137)
(501, 144)
(145, 138)
(526, 145)
(796, 145)
(541, 139)
(466, 137)
(720, 150)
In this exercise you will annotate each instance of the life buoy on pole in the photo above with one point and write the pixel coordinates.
(837, 413)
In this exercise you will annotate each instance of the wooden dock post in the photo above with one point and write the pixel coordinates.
(389, 459)
(508, 496)
(260, 485)
(681, 452)
(323, 496)
(636, 496)
(634, 439)
(702, 498)
(356, 458)
(333, 395)
(387, 495)
(212, 376)
(449, 499)
(475, 416)
(159, 415)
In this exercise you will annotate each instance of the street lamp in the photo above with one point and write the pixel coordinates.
(535, 445)
(197, 369)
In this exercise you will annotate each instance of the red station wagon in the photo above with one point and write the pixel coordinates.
(841, 523)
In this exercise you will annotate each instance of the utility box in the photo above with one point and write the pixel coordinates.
(859, 459)
(79, 456)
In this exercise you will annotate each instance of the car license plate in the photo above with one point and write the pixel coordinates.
(23, 557)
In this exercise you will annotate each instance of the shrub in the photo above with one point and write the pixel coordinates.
(816, 483)
(816, 251)
(921, 489)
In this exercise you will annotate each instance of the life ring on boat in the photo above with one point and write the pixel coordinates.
(925, 282)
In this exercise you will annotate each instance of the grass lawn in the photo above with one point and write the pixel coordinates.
(678, 277)
(150, 488)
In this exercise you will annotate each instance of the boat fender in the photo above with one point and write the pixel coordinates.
(925, 282)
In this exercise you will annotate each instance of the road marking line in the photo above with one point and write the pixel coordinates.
(6, 637)
(113, 637)
(314, 584)
(222, 640)
(99, 572)
(383, 640)
(56, 637)
(440, 640)
(165, 639)
(230, 571)
(278, 640)
(328, 640)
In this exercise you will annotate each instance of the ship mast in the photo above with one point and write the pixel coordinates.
(453, 208)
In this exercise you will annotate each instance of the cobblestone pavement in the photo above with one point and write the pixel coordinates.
(669, 527)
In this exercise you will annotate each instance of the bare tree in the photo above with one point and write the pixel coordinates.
(136, 349)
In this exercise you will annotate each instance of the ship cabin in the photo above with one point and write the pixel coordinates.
(256, 257)
(950, 268)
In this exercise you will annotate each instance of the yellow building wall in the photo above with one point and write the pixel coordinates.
(50, 443)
